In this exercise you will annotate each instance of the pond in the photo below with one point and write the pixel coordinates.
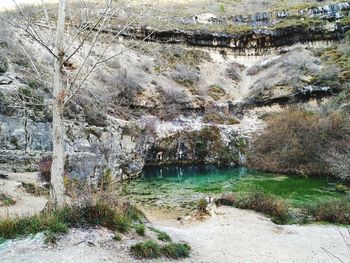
(180, 187)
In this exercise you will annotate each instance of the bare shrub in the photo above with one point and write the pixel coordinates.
(339, 164)
(276, 208)
(293, 142)
(328, 75)
(253, 70)
(288, 70)
(177, 55)
(185, 75)
(302, 61)
(173, 101)
(216, 92)
(338, 158)
(45, 169)
(122, 87)
(233, 71)
(175, 96)
(333, 211)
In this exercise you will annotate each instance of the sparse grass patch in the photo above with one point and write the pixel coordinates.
(13, 228)
(6, 200)
(163, 236)
(216, 92)
(236, 29)
(219, 118)
(35, 190)
(298, 22)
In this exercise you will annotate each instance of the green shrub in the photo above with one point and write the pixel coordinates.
(333, 211)
(140, 229)
(276, 208)
(146, 249)
(117, 237)
(99, 214)
(176, 250)
(13, 228)
(150, 249)
(35, 190)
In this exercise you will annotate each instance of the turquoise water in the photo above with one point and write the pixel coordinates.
(181, 187)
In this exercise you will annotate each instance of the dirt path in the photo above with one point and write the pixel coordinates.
(245, 236)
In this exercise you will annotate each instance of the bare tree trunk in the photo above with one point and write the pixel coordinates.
(57, 169)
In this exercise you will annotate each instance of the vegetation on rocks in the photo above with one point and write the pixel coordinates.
(295, 22)
(203, 146)
(336, 72)
(216, 92)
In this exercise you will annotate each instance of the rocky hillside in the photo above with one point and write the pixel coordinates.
(194, 92)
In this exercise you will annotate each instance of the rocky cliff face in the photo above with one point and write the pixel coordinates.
(257, 31)
(258, 39)
(25, 139)
(120, 148)
(162, 82)
(91, 150)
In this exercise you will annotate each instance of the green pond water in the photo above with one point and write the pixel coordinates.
(180, 187)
